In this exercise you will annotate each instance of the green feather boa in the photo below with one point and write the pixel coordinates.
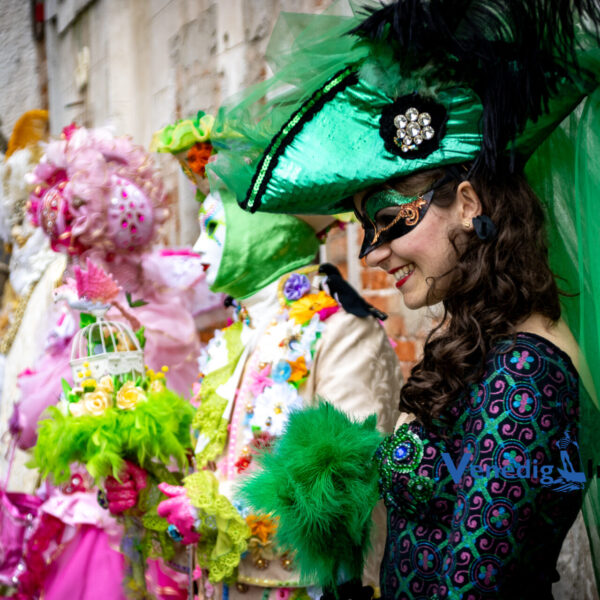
(158, 429)
(321, 481)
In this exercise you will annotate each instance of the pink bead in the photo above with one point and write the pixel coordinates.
(124, 224)
(141, 218)
(133, 229)
(122, 207)
(124, 193)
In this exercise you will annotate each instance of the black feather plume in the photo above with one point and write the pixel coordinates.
(512, 53)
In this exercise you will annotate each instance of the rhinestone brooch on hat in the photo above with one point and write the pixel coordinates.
(412, 129)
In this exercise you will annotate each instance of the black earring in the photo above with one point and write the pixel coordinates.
(484, 228)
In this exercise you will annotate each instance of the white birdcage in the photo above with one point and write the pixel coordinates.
(105, 348)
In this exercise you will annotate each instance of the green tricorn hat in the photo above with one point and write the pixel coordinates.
(359, 100)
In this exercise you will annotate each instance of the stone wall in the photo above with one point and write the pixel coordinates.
(22, 72)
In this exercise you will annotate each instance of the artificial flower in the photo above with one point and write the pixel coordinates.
(156, 385)
(271, 349)
(326, 312)
(89, 383)
(198, 156)
(68, 131)
(281, 372)
(129, 396)
(303, 310)
(243, 463)
(96, 403)
(106, 385)
(124, 344)
(262, 527)
(298, 369)
(304, 344)
(77, 409)
(272, 408)
(296, 286)
(260, 380)
(262, 441)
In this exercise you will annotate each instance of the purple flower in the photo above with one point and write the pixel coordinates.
(296, 286)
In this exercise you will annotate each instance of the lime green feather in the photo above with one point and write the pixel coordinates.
(321, 481)
(158, 429)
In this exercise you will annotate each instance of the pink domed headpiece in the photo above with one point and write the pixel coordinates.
(94, 190)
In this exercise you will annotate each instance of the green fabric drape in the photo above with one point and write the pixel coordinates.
(260, 248)
(565, 173)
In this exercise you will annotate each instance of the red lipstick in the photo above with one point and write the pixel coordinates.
(402, 281)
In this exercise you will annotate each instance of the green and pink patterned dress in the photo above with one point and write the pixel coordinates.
(480, 509)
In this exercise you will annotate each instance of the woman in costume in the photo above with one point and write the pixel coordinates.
(437, 120)
(292, 341)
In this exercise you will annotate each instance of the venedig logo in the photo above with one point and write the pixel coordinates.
(565, 478)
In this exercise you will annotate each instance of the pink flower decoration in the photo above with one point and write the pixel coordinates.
(326, 312)
(260, 380)
(95, 284)
(178, 511)
(69, 130)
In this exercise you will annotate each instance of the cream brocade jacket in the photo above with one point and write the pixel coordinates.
(342, 358)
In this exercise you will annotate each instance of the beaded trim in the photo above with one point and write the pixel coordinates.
(430, 118)
(288, 132)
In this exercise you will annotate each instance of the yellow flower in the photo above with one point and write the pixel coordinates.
(156, 386)
(89, 383)
(96, 403)
(106, 385)
(129, 396)
(302, 310)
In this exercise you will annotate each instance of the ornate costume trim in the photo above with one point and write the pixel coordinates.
(223, 532)
(412, 126)
(209, 419)
(279, 143)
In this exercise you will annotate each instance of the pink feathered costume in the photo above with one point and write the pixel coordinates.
(99, 197)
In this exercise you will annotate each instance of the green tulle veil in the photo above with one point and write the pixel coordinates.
(565, 173)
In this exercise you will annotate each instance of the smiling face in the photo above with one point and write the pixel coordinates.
(211, 242)
(421, 260)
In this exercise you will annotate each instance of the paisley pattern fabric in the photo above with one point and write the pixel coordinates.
(480, 509)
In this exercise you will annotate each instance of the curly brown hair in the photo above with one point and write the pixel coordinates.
(495, 286)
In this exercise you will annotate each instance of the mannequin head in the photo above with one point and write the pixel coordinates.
(242, 252)
(211, 242)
